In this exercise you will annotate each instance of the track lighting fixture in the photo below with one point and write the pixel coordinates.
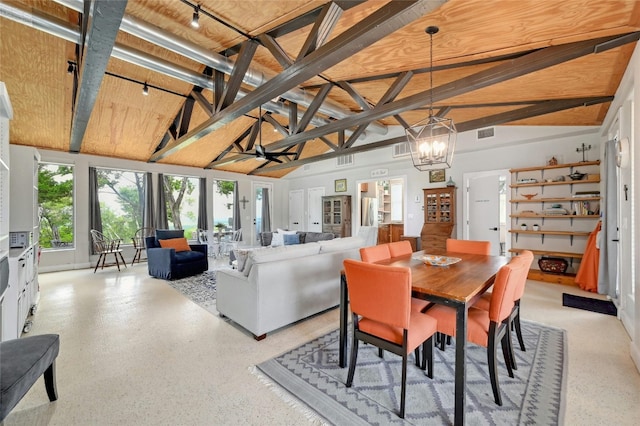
(195, 21)
(145, 89)
(70, 67)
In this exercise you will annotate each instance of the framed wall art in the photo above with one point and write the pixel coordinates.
(341, 185)
(436, 176)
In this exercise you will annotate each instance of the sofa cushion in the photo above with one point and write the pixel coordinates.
(265, 238)
(166, 234)
(311, 237)
(180, 244)
(189, 256)
(340, 244)
(291, 239)
(264, 255)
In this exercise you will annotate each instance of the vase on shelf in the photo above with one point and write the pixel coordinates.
(523, 226)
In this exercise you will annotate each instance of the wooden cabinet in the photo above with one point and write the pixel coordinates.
(439, 217)
(390, 232)
(553, 215)
(336, 215)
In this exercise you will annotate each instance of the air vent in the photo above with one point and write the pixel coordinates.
(306, 167)
(487, 133)
(344, 160)
(401, 149)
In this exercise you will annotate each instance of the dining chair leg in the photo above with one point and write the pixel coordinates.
(122, 259)
(403, 389)
(492, 362)
(352, 361)
(416, 354)
(512, 358)
(427, 356)
(380, 353)
(516, 323)
(508, 359)
(117, 261)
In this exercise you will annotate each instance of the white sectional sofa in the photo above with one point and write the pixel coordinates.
(281, 285)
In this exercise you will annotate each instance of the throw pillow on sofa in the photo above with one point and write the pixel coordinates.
(180, 244)
(291, 239)
(277, 239)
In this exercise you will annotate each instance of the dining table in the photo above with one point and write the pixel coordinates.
(457, 280)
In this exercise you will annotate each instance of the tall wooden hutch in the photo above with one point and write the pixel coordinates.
(439, 218)
(336, 215)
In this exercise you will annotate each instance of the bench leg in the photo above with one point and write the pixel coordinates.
(50, 381)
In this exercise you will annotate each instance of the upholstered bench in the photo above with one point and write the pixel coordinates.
(22, 362)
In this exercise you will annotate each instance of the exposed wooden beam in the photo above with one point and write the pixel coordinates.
(382, 22)
(505, 71)
(313, 107)
(521, 114)
(237, 75)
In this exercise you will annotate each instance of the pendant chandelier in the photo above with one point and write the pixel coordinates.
(432, 141)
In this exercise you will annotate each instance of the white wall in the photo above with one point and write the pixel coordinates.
(629, 90)
(513, 146)
(78, 256)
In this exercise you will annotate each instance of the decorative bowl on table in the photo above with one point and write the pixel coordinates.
(435, 260)
(577, 175)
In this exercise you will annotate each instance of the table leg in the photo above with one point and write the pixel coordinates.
(461, 363)
(344, 312)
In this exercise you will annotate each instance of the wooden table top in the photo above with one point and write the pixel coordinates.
(462, 282)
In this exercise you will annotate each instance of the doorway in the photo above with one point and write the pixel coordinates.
(381, 202)
(486, 209)
(261, 213)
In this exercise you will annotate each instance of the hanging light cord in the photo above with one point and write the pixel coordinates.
(431, 73)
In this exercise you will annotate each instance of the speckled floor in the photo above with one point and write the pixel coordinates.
(134, 351)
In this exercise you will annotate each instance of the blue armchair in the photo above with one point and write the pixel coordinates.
(166, 263)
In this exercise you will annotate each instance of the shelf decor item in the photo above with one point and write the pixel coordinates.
(536, 227)
(529, 196)
(341, 185)
(554, 265)
(523, 226)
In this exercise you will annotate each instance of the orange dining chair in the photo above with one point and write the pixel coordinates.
(469, 246)
(487, 328)
(464, 246)
(526, 258)
(380, 252)
(400, 248)
(380, 298)
(374, 254)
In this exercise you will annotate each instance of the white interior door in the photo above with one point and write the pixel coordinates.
(257, 207)
(483, 209)
(315, 209)
(296, 210)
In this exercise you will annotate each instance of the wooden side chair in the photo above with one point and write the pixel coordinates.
(469, 246)
(487, 328)
(400, 248)
(139, 242)
(380, 298)
(104, 246)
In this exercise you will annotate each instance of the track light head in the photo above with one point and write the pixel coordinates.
(195, 20)
(145, 89)
(70, 67)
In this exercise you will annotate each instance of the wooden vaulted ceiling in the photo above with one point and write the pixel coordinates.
(329, 73)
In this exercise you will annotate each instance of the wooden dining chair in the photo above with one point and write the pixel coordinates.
(526, 258)
(487, 328)
(400, 248)
(380, 252)
(380, 298)
(469, 246)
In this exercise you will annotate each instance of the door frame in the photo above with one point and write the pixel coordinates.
(255, 185)
(358, 200)
(466, 177)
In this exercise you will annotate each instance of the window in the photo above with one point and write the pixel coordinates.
(181, 194)
(55, 202)
(223, 204)
(121, 195)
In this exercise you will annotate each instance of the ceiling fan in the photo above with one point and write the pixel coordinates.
(260, 152)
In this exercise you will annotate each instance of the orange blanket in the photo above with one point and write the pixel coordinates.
(587, 276)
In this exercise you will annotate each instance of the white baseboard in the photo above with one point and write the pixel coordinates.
(634, 350)
(65, 267)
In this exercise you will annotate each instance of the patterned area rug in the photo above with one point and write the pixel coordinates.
(201, 289)
(309, 378)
